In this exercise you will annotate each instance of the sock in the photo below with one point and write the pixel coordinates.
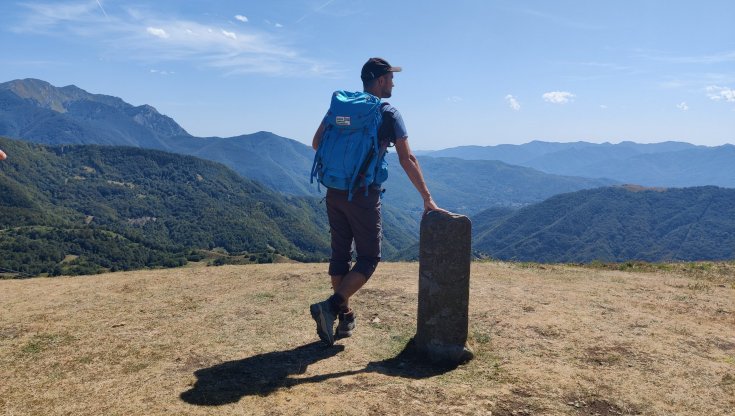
(335, 302)
(348, 316)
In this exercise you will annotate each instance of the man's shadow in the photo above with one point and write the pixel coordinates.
(263, 374)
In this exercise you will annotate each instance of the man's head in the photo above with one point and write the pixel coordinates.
(377, 77)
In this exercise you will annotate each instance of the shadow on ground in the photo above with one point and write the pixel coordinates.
(263, 374)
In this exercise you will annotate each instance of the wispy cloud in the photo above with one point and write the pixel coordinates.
(241, 18)
(682, 106)
(603, 107)
(512, 102)
(315, 10)
(715, 58)
(718, 93)
(147, 37)
(454, 99)
(157, 32)
(558, 97)
(99, 3)
(559, 20)
(160, 72)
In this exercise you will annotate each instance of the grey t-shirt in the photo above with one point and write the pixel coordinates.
(392, 128)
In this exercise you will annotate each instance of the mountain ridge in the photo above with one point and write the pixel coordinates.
(278, 162)
(654, 164)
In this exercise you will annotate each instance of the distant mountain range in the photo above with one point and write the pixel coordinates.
(614, 224)
(73, 206)
(35, 110)
(668, 164)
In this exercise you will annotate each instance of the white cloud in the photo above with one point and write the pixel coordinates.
(127, 33)
(454, 99)
(279, 25)
(512, 102)
(717, 93)
(603, 107)
(158, 32)
(558, 97)
(682, 106)
(160, 72)
(241, 18)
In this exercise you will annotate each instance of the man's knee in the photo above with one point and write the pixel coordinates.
(366, 265)
(339, 267)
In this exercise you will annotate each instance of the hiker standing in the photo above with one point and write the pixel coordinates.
(353, 193)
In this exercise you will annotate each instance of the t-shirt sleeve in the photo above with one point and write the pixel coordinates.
(393, 127)
(399, 126)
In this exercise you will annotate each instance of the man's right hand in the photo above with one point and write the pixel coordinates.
(430, 205)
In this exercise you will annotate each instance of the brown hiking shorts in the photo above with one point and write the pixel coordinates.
(357, 220)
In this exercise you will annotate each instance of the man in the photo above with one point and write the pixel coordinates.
(359, 219)
(3, 156)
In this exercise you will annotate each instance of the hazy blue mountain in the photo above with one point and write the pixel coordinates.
(469, 186)
(672, 164)
(37, 111)
(614, 224)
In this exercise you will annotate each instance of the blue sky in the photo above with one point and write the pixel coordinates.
(475, 72)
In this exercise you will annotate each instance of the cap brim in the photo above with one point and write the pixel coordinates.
(395, 69)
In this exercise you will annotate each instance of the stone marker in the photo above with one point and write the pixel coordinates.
(444, 288)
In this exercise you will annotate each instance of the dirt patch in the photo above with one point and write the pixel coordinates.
(513, 406)
(594, 406)
(614, 354)
(10, 333)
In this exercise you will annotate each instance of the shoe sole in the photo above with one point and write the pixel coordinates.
(322, 328)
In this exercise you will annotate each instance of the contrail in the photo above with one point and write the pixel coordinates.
(102, 8)
(315, 10)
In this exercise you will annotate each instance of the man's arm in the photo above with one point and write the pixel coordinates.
(410, 164)
(318, 136)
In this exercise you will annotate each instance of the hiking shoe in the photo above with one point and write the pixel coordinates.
(346, 324)
(324, 317)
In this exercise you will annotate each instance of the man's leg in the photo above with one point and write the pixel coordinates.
(325, 313)
(365, 222)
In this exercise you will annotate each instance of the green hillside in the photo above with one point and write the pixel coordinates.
(81, 209)
(614, 224)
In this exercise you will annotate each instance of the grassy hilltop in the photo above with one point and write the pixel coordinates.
(549, 339)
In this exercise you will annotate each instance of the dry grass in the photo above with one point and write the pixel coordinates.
(238, 340)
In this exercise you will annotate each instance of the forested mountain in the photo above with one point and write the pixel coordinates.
(83, 208)
(614, 224)
(36, 111)
(667, 164)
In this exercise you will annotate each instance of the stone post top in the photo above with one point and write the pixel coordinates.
(444, 215)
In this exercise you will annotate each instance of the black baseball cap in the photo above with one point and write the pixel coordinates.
(377, 67)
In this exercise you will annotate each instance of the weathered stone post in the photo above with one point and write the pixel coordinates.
(444, 288)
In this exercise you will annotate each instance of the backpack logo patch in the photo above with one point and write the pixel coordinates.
(343, 121)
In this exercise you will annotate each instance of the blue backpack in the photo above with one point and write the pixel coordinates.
(349, 155)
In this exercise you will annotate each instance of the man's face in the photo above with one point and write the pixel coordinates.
(386, 85)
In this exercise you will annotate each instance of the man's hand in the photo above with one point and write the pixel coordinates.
(430, 205)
